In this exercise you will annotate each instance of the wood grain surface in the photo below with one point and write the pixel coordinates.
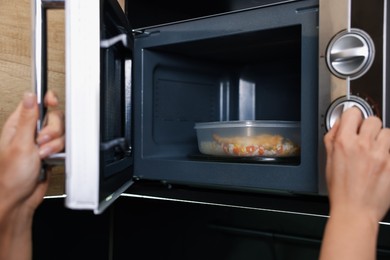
(15, 53)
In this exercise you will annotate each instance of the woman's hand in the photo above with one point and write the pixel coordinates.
(358, 165)
(21, 152)
(21, 191)
(358, 178)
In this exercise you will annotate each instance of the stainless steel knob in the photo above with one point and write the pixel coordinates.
(350, 54)
(341, 104)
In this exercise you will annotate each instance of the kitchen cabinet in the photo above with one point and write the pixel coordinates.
(152, 228)
(158, 229)
(63, 234)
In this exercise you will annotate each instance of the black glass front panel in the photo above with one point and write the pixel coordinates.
(369, 17)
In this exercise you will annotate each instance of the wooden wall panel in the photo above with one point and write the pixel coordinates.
(15, 53)
(15, 63)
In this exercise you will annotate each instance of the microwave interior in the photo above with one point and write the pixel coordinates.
(236, 66)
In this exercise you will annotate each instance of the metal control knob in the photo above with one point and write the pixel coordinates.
(341, 104)
(350, 54)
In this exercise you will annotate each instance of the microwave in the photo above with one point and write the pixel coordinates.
(135, 95)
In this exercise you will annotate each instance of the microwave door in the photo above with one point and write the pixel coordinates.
(99, 159)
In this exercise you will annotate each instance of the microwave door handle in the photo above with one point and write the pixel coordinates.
(39, 67)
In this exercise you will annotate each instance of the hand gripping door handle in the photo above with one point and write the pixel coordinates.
(39, 66)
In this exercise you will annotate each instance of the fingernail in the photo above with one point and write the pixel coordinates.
(29, 100)
(44, 152)
(43, 139)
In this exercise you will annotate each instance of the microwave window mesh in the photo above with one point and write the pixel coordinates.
(112, 110)
(112, 104)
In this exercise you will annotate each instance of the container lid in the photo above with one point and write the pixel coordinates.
(249, 123)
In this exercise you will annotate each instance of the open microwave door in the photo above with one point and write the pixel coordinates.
(99, 159)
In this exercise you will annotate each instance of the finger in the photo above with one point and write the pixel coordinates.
(329, 144)
(41, 188)
(55, 127)
(350, 122)
(25, 132)
(330, 137)
(52, 147)
(383, 140)
(370, 127)
(51, 99)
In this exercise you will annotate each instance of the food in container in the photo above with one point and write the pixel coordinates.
(249, 138)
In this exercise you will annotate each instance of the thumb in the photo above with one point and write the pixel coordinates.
(28, 117)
